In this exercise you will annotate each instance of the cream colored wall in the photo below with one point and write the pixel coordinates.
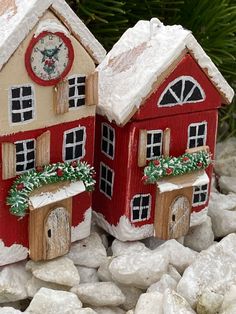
(14, 73)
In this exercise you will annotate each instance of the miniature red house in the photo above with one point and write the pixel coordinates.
(48, 97)
(158, 96)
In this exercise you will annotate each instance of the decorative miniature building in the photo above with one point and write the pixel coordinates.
(158, 97)
(48, 97)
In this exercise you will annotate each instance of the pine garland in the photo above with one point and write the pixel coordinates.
(52, 173)
(175, 166)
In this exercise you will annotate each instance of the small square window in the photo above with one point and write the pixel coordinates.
(108, 140)
(140, 207)
(197, 134)
(25, 155)
(200, 195)
(106, 180)
(74, 144)
(154, 144)
(76, 91)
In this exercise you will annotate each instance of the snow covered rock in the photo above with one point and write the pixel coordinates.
(87, 274)
(123, 248)
(85, 310)
(173, 303)
(229, 301)
(103, 272)
(13, 279)
(131, 294)
(152, 242)
(222, 210)
(99, 294)
(89, 252)
(227, 184)
(34, 284)
(225, 163)
(149, 303)
(179, 256)
(214, 268)
(209, 302)
(200, 237)
(108, 310)
(9, 310)
(60, 270)
(48, 301)
(139, 269)
(164, 283)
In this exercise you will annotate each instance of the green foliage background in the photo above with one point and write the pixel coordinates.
(213, 23)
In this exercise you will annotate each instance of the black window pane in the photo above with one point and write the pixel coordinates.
(30, 165)
(71, 103)
(197, 188)
(71, 91)
(20, 157)
(196, 198)
(104, 131)
(69, 138)
(27, 103)
(108, 190)
(69, 153)
(196, 95)
(145, 201)
(30, 145)
(135, 214)
(157, 137)
(111, 134)
(71, 81)
(168, 98)
(16, 105)
(201, 129)
(80, 102)
(81, 90)
(104, 146)
(200, 142)
(187, 88)
(103, 172)
(15, 92)
(78, 151)
(81, 79)
(156, 151)
(203, 197)
(177, 87)
(30, 155)
(28, 115)
(144, 213)
(27, 91)
(102, 185)
(149, 152)
(16, 117)
(149, 138)
(19, 147)
(192, 143)
(79, 135)
(193, 130)
(136, 201)
(204, 187)
(19, 168)
(109, 176)
(110, 150)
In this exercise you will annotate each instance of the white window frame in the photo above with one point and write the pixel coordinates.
(152, 145)
(65, 145)
(196, 136)
(21, 98)
(181, 100)
(200, 192)
(76, 96)
(141, 207)
(111, 184)
(25, 152)
(107, 140)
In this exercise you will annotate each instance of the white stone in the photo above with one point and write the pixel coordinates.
(152, 242)
(222, 210)
(214, 268)
(173, 303)
(9, 310)
(108, 310)
(200, 237)
(226, 167)
(34, 284)
(13, 279)
(123, 248)
(99, 294)
(179, 256)
(164, 283)
(139, 269)
(60, 270)
(131, 294)
(227, 184)
(229, 302)
(226, 148)
(209, 302)
(174, 273)
(48, 301)
(103, 272)
(149, 303)
(88, 252)
(86, 310)
(87, 274)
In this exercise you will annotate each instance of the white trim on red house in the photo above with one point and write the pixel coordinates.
(12, 254)
(82, 230)
(197, 136)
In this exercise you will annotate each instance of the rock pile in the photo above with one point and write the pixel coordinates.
(196, 274)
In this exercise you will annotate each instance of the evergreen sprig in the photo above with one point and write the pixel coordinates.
(26, 183)
(175, 166)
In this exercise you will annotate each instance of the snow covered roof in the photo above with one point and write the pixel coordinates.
(135, 62)
(18, 17)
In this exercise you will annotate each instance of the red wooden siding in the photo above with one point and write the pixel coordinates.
(14, 230)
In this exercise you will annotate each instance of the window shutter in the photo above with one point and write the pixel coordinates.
(43, 149)
(61, 97)
(91, 89)
(8, 160)
(142, 148)
(166, 142)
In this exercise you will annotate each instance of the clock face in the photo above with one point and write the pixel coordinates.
(49, 58)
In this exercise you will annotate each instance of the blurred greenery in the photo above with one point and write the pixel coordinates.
(213, 23)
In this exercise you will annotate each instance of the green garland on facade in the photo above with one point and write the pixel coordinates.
(175, 166)
(26, 183)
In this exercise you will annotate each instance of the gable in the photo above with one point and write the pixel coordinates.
(174, 95)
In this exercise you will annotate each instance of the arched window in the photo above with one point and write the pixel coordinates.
(183, 90)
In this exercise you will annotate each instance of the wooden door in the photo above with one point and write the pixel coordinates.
(57, 233)
(179, 216)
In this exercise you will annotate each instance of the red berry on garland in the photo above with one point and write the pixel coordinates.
(185, 159)
(144, 178)
(60, 172)
(39, 169)
(199, 164)
(74, 164)
(169, 171)
(156, 163)
(20, 186)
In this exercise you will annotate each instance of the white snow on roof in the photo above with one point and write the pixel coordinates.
(18, 17)
(143, 53)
